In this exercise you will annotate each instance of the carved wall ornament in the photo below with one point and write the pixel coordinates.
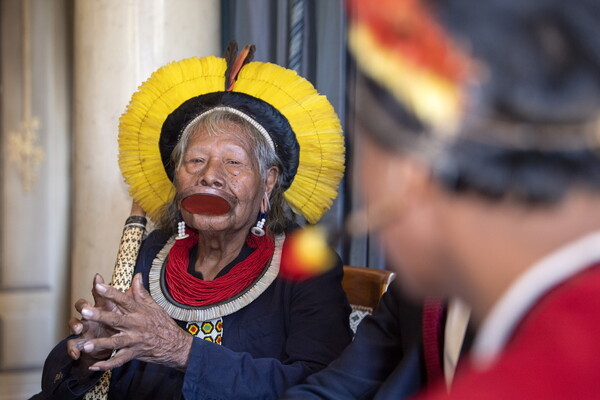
(23, 149)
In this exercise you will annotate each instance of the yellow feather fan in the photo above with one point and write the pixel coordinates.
(311, 117)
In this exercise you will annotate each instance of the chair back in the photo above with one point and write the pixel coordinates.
(364, 288)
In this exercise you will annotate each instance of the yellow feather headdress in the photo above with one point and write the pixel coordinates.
(311, 117)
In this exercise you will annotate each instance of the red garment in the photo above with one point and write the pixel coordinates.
(554, 352)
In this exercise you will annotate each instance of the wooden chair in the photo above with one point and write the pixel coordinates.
(364, 288)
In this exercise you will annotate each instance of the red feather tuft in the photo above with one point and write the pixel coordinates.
(242, 59)
(408, 28)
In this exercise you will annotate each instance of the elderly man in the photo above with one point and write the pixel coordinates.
(480, 167)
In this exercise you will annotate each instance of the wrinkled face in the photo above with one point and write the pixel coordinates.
(401, 214)
(222, 165)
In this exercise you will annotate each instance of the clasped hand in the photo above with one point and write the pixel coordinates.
(132, 323)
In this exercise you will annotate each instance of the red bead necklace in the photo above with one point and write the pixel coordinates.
(189, 290)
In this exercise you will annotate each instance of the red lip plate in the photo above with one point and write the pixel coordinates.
(206, 204)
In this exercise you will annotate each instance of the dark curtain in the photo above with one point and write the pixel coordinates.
(324, 62)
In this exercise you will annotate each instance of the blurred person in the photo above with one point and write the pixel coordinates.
(480, 167)
(218, 151)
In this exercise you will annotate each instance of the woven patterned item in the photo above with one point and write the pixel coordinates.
(133, 232)
(211, 331)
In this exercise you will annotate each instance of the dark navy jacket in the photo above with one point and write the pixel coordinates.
(372, 365)
(290, 331)
(384, 362)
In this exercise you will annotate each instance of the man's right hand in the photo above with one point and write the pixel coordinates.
(87, 330)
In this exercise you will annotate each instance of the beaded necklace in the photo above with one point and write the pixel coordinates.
(251, 278)
(192, 291)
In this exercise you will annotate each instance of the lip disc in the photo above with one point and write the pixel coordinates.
(207, 204)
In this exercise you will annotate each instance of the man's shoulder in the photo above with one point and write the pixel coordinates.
(552, 353)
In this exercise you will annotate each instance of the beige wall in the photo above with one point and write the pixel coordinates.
(117, 46)
(34, 189)
(64, 226)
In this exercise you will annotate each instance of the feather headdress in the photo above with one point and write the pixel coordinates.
(401, 47)
(312, 145)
